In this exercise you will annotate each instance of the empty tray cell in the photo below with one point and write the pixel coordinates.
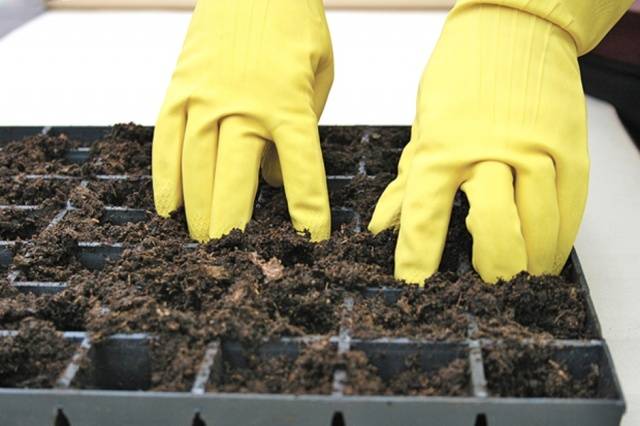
(132, 193)
(34, 190)
(409, 369)
(408, 312)
(17, 223)
(95, 255)
(562, 370)
(283, 367)
(10, 134)
(33, 356)
(38, 155)
(341, 150)
(121, 362)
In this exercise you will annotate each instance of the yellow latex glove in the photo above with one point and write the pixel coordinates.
(250, 72)
(501, 115)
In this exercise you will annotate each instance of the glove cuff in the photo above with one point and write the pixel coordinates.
(586, 21)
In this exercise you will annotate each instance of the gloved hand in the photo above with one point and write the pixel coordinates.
(501, 115)
(250, 72)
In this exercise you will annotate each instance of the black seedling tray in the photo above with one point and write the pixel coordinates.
(106, 382)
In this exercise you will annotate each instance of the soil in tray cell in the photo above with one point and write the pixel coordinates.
(38, 154)
(389, 137)
(235, 294)
(35, 357)
(51, 256)
(341, 150)
(134, 362)
(34, 192)
(125, 150)
(18, 224)
(364, 378)
(417, 313)
(64, 310)
(360, 194)
(309, 371)
(524, 305)
(531, 371)
(521, 308)
(132, 193)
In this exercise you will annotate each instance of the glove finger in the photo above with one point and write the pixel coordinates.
(240, 148)
(271, 171)
(387, 211)
(573, 187)
(537, 202)
(305, 182)
(424, 220)
(166, 155)
(198, 170)
(498, 246)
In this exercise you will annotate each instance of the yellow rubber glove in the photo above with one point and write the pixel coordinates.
(501, 115)
(250, 72)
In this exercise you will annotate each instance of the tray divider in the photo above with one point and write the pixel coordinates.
(344, 346)
(362, 164)
(69, 373)
(476, 367)
(211, 361)
(476, 363)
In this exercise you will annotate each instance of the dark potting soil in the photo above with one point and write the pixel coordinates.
(18, 224)
(267, 282)
(515, 370)
(341, 150)
(522, 307)
(24, 191)
(136, 194)
(311, 372)
(346, 150)
(35, 357)
(38, 154)
(365, 378)
(125, 150)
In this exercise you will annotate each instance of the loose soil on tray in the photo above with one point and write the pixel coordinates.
(265, 283)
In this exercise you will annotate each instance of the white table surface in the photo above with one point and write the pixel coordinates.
(90, 68)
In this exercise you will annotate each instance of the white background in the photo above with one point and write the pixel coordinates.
(75, 68)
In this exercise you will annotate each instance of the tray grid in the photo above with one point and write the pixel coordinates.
(126, 357)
